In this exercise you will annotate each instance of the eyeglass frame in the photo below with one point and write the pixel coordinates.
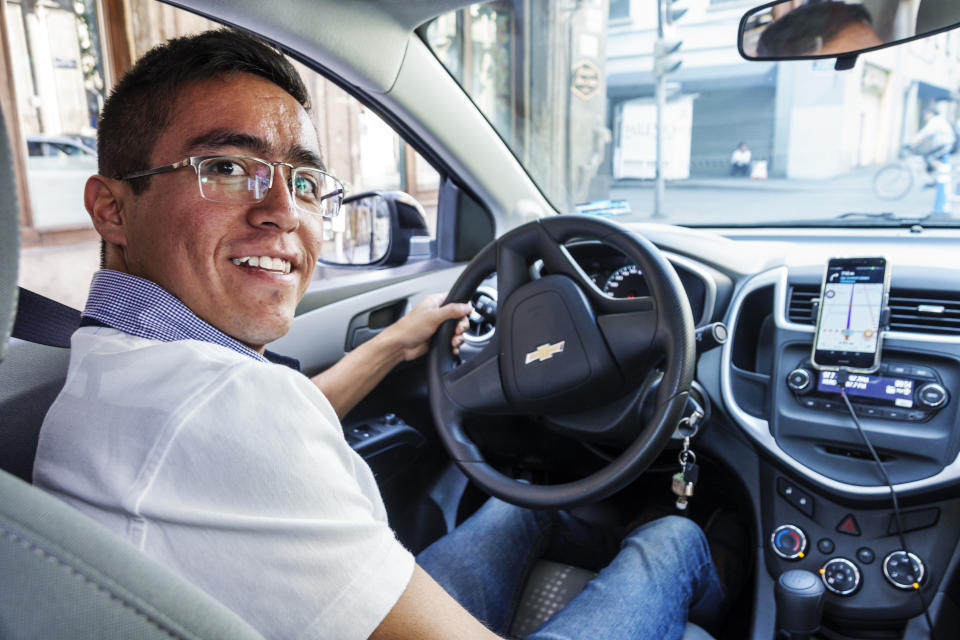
(195, 161)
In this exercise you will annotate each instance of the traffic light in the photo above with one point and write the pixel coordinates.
(673, 10)
(666, 58)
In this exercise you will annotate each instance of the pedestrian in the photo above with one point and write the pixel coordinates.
(740, 161)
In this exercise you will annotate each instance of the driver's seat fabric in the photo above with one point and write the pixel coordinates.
(63, 576)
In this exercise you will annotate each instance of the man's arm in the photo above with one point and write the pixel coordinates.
(357, 373)
(426, 612)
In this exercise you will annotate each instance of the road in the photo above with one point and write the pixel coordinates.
(741, 200)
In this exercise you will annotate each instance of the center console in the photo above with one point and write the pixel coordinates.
(825, 504)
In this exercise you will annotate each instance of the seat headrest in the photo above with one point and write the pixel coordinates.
(9, 238)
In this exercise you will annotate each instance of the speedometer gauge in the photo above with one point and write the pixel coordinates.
(626, 282)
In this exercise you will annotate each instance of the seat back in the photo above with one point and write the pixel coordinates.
(31, 376)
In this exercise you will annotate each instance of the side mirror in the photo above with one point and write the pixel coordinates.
(791, 30)
(375, 228)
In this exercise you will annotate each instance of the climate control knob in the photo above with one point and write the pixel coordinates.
(799, 380)
(840, 576)
(789, 542)
(903, 570)
(932, 395)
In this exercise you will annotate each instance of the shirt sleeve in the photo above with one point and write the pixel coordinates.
(258, 500)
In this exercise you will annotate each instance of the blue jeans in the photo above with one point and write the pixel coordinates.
(647, 584)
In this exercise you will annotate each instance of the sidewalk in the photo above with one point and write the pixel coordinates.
(858, 178)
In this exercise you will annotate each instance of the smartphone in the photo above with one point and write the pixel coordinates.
(852, 298)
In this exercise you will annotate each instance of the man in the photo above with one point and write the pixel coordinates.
(934, 141)
(819, 29)
(740, 160)
(178, 431)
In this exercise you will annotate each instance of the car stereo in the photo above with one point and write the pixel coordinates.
(896, 391)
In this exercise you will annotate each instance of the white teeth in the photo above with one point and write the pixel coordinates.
(264, 262)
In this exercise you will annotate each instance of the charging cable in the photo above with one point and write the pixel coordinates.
(842, 376)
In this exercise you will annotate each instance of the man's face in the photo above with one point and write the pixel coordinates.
(190, 246)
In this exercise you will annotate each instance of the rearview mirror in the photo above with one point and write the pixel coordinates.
(373, 229)
(798, 29)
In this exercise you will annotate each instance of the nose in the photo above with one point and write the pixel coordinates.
(277, 209)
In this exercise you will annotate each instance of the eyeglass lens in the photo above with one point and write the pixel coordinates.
(236, 179)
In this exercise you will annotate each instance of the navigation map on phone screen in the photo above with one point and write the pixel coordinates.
(850, 307)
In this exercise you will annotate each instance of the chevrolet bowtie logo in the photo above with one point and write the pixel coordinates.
(544, 352)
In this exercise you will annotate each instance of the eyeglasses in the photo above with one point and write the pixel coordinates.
(243, 179)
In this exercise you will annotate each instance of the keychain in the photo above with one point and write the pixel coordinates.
(684, 481)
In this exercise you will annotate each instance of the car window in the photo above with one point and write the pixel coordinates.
(573, 92)
(58, 58)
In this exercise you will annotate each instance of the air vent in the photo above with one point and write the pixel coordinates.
(800, 304)
(912, 311)
(925, 311)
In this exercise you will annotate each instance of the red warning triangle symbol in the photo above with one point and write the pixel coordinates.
(849, 525)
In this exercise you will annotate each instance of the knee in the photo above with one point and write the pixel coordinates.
(669, 532)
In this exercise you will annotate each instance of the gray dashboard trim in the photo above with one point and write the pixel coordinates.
(710, 297)
(759, 430)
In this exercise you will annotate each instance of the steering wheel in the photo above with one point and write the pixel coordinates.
(565, 350)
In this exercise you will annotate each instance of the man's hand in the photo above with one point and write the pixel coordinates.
(358, 372)
(412, 333)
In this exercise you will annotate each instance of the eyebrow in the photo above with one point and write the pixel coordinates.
(296, 154)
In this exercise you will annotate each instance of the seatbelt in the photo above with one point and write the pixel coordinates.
(44, 321)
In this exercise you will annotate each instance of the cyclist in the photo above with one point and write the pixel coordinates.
(936, 138)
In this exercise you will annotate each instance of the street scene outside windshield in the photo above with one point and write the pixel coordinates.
(571, 88)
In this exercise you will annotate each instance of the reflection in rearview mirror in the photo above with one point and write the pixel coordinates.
(360, 234)
(793, 29)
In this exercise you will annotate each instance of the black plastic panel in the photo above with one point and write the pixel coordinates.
(877, 599)
(828, 442)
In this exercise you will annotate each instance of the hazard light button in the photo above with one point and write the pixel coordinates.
(849, 525)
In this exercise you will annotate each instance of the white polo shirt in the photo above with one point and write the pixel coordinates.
(233, 472)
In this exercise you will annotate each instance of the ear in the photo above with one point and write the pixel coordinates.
(104, 200)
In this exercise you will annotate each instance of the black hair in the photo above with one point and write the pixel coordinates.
(806, 28)
(141, 105)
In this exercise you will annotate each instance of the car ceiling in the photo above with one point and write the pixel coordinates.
(366, 34)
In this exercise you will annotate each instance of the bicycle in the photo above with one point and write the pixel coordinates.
(894, 180)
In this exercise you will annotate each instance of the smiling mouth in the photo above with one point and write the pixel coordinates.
(265, 263)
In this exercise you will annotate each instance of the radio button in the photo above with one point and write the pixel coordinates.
(924, 372)
(870, 412)
(932, 395)
(799, 380)
(894, 414)
(899, 369)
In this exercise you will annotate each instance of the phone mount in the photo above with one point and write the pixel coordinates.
(884, 315)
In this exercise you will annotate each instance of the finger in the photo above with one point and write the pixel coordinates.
(455, 310)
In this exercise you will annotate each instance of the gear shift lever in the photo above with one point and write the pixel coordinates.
(799, 597)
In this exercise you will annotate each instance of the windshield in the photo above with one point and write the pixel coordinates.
(573, 88)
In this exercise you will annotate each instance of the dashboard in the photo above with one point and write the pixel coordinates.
(820, 501)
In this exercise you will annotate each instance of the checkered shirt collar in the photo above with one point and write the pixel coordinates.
(147, 310)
